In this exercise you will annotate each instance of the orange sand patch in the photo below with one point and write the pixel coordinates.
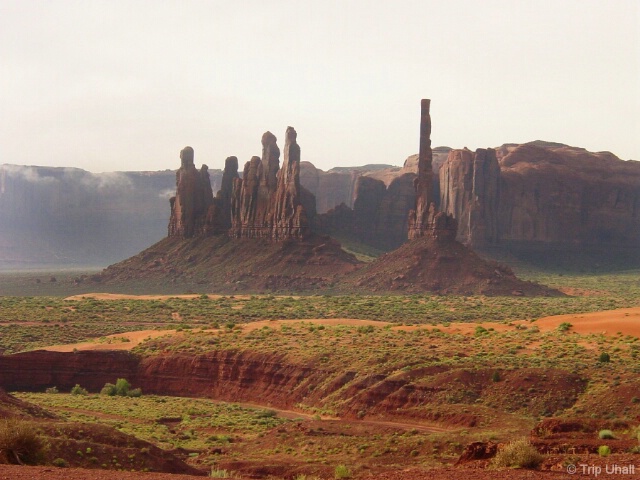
(609, 322)
(113, 342)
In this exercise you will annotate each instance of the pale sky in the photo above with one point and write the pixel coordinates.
(124, 85)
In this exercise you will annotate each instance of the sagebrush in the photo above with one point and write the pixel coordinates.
(20, 442)
(518, 454)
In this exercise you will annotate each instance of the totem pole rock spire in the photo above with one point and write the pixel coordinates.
(425, 219)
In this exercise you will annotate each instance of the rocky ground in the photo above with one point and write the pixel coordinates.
(15, 472)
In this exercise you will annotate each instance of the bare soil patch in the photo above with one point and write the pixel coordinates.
(119, 341)
(18, 472)
(608, 322)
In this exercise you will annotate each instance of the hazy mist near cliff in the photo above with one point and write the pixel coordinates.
(51, 217)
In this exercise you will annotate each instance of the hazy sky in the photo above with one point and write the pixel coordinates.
(124, 85)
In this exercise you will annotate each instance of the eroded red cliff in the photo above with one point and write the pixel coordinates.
(469, 191)
(274, 379)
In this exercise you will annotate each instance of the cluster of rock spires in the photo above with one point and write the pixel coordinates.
(265, 203)
(268, 206)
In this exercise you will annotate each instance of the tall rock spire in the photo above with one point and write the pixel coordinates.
(423, 184)
(290, 219)
(425, 219)
(190, 206)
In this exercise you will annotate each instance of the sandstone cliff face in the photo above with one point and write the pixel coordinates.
(382, 215)
(379, 214)
(469, 191)
(392, 220)
(338, 185)
(524, 199)
(565, 195)
(330, 188)
(223, 197)
(266, 202)
(369, 194)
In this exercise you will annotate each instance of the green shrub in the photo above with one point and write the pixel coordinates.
(108, 389)
(366, 329)
(134, 392)
(267, 414)
(78, 390)
(605, 435)
(342, 471)
(496, 376)
(51, 390)
(604, 451)
(480, 330)
(122, 387)
(564, 326)
(604, 357)
(60, 462)
(19, 442)
(519, 454)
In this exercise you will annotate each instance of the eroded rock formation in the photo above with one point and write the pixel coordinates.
(223, 197)
(289, 218)
(266, 202)
(190, 206)
(282, 381)
(469, 191)
(425, 219)
(420, 218)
